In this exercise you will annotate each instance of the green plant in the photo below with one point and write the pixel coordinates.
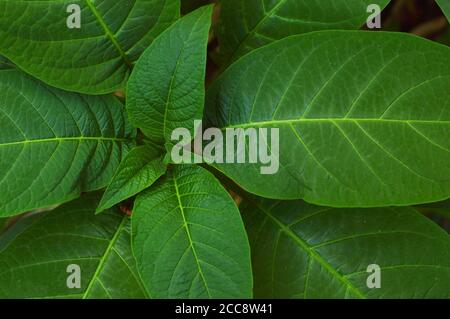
(359, 120)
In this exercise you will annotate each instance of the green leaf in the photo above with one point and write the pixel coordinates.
(97, 57)
(38, 254)
(305, 251)
(55, 145)
(140, 168)
(247, 25)
(189, 240)
(445, 5)
(166, 90)
(363, 117)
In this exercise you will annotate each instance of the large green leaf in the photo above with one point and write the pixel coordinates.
(141, 167)
(55, 145)
(363, 117)
(167, 87)
(247, 25)
(95, 58)
(305, 251)
(445, 5)
(189, 240)
(36, 252)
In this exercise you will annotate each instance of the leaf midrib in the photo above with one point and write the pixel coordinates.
(312, 253)
(269, 14)
(332, 120)
(109, 33)
(191, 242)
(65, 139)
(104, 256)
(251, 32)
(174, 73)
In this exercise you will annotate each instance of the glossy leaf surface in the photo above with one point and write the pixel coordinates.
(167, 88)
(55, 145)
(305, 251)
(189, 240)
(363, 117)
(96, 57)
(250, 24)
(36, 253)
(141, 167)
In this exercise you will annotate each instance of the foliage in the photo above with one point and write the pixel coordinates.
(88, 118)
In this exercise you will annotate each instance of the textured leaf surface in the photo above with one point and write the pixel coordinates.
(247, 25)
(305, 251)
(445, 5)
(141, 167)
(55, 145)
(34, 257)
(363, 117)
(189, 240)
(95, 58)
(166, 89)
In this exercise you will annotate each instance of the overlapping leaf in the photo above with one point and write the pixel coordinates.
(55, 145)
(36, 252)
(363, 117)
(95, 58)
(304, 251)
(189, 240)
(247, 25)
(445, 5)
(166, 90)
(141, 167)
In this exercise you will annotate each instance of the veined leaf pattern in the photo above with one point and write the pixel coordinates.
(363, 117)
(55, 145)
(38, 250)
(96, 58)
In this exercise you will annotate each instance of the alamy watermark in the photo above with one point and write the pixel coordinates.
(230, 146)
(73, 21)
(374, 19)
(374, 279)
(74, 279)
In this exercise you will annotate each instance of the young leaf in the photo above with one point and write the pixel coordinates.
(445, 5)
(41, 253)
(55, 145)
(247, 25)
(140, 168)
(363, 117)
(166, 89)
(42, 38)
(189, 240)
(305, 251)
